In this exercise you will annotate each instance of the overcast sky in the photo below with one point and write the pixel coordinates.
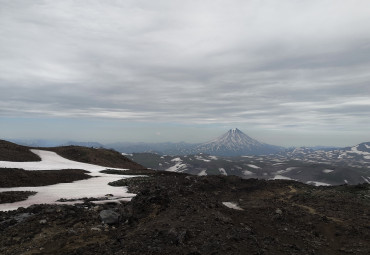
(287, 72)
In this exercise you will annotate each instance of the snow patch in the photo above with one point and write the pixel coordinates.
(52, 161)
(253, 166)
(326, 171)
(318, 183)
(222, 171)
(286, 170)
(232, 205)
(94, 187)
(281, 177)
(203, 173)
(203, 159)
(246, 172)
(355, 150)
(178, 167)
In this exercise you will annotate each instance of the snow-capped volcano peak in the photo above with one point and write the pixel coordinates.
(234, 142)
(234, 139)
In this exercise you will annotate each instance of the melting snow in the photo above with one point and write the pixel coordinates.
(253, 166)
(327, 171)
(281, 177)
(355, 150)
(222, 171)
(318, 183)
(286, 170)
(203, 159)
(246, 172)
(203, 172)
(52, 161)
(232, 205)
(178, 167)
(93, 187)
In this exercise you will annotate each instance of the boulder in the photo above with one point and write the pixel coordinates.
(109, 217)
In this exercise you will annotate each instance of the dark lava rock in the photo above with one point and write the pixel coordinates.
(174, 214)
(109, 217)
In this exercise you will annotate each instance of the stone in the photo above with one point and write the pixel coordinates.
(279, 211)
(43, 221)
(109, 217)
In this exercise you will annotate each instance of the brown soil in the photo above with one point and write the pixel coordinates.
(17, 153)
(101, 157)
(180, 214)
(12, 177)
(14, 196)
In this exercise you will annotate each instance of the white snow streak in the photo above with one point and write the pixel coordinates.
(253, 166)
(232, 205)
(366, 180)
(281, 177)
(326, 171)
(52, 161)
(318, 183)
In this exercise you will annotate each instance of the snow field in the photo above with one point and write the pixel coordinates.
(94, 187)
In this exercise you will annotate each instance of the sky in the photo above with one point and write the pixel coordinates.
(287, 72)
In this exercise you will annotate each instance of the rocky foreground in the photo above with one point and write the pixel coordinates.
(183, 214)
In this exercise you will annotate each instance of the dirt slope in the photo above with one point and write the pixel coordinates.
(101, 157)
(12, 177)
(17, 153)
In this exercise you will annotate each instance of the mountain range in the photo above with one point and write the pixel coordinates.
(232, 143)
(349, 165)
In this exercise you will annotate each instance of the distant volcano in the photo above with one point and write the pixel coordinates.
(236, 143)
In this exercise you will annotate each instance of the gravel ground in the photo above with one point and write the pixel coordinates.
(182, 214)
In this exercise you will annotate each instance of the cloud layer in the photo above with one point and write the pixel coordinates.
(269, 64)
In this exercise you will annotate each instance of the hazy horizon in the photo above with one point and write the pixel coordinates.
(289, 73)
(202, 139)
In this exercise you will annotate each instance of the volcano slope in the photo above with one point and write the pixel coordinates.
(182, 214)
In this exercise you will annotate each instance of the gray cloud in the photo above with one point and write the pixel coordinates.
(292, 64)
